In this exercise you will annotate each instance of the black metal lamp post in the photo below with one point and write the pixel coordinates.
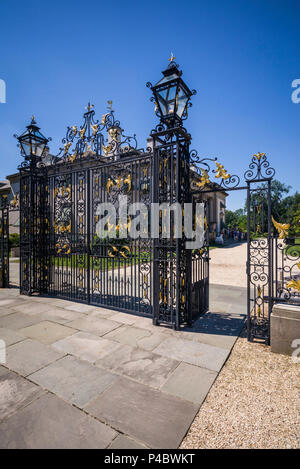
(171, 183)
(32, 142)
(171, 96)
(33, 209)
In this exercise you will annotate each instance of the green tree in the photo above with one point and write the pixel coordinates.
(231, 219)
(236, 219)
(295, 223)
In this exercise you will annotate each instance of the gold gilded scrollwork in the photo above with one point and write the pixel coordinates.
(282, 228)
(113, 133)
(295, 284)
(124, 251)
(106, 149)
(66, 147)
(221, 172)
(127, 181)
(204, 179)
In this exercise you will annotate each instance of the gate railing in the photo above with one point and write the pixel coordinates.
(286, 268)
(4, 242)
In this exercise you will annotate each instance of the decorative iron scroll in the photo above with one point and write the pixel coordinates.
(259, 278)
(259, 168)
(203, 168)
(88, 140)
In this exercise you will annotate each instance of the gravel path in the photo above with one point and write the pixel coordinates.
(254, 403)
(228, 265)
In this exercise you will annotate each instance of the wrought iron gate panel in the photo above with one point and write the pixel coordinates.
(33, 228)
(69, 240)
(259, 262)
(85, 266)
(121, 268)
(259, 248)
(4, 243)
(200, 271)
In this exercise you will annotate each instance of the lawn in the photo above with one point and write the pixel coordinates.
(293, 250)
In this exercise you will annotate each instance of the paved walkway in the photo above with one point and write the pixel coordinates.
(227, 265)
(77, 376)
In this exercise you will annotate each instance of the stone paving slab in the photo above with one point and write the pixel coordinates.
(15, 393)
(80, 308)
(32, 307)
(102, 313)
(5, 311)
(9, 302)
(98, 326)
(51, 423)
(146, 367)
(47, 332)
(86, 346)
(128, 335)
(17, 321)
(157, 419)
(10, 337)
(61, 316)
(219, 330)
(192, 352)
(136, 337)
(62, 303)
(123, 442)
(74, 380)
(123, 318)
(3, 370)
(190, 382)
(29, 356)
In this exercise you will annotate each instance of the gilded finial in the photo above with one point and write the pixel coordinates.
(259, 155)
(109, 105)
(172, 58)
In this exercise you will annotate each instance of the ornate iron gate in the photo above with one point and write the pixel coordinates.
(63, 253)
(260, 295)
(65, 249)
(4, 242)
(83, 265)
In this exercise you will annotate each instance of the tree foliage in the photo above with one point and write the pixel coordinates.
(285, 208)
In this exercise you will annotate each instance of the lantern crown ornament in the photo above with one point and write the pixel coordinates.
(32, 142)
(171, 96)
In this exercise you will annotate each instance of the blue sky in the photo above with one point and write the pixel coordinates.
(240, 56)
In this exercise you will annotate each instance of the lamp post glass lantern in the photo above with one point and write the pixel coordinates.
(171, 96)
(32, 142)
